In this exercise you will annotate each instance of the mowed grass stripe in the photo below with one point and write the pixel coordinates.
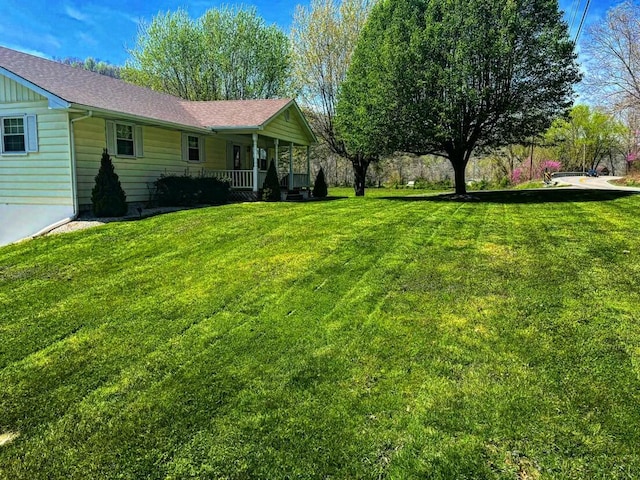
(155, 251)
(457, 354)
(74, 422)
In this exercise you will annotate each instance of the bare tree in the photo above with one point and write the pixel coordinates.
(612, 47)
(323, 37)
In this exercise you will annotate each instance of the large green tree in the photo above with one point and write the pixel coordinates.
(323, 38)
(446, 77)
(227, 54)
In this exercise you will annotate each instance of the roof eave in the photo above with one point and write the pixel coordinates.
(55, 102)
(236, 129)
(113, 114)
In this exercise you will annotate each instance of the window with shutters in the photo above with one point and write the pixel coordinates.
(192, 148)
(19, 134)
(124, 139)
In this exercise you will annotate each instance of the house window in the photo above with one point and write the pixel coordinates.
(13, 135)
(192, 148)
(124, 140)
(19, 134)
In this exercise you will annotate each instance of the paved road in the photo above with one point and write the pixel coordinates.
(599, 183)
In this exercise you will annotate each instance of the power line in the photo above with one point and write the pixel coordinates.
(575, 6)
(584, 15)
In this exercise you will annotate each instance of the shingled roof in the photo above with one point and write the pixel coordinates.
(84, 89)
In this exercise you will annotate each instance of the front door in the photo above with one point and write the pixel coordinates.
(237, 161)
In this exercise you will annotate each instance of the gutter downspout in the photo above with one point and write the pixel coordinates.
(74, 177)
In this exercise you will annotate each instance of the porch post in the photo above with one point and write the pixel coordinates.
(276, 160)
(255, 161)
(308, 166)
(291, 166)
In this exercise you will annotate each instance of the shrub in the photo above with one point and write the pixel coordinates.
(424, 184)
(176, 190)
(184, 191)
(504, 182)
(212, 191)
(107, 197)
(479, 185)
(271, 185)
(320, 185)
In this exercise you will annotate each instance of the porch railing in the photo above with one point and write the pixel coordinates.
(236, 178)
(243, 179)
(299, 180)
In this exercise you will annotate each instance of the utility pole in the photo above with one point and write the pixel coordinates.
(531, 162)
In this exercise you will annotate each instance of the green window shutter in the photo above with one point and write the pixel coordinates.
(201, 145)
(139, 142)
(31, 129)
(111, 137)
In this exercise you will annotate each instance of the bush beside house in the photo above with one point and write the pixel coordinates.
(107, 197)
(271, 185)
(320, 185)
(182, 190)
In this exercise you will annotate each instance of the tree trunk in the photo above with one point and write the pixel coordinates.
(360, 166)
(459, 166)
(613, 168)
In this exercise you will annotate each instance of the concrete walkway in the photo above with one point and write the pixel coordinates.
(88, 220)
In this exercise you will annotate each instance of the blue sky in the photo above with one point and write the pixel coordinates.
(105, 29)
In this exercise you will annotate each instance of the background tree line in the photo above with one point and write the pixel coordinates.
(399, 84)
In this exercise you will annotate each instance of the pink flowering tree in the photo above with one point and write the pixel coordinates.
(523, 172)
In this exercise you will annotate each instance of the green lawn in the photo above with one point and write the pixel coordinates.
(357, 338)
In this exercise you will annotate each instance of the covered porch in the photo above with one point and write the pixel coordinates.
(250, 157)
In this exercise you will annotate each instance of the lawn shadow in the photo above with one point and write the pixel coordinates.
(329, 198)
(524, 196)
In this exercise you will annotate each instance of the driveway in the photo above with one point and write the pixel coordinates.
(598, 183)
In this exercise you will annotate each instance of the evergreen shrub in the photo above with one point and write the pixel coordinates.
(320, 185)
(271, 185)
(107, 197)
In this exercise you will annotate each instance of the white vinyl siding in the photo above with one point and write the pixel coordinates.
(12, 92)
(193, 149)
(291, 129)
(124, 139)
(163, 155)
(19, 134)
(41, 176)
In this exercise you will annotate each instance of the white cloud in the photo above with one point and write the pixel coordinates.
(51, 40)
(86, 38)
(76, 14)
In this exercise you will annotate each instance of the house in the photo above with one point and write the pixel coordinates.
(55, 120)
